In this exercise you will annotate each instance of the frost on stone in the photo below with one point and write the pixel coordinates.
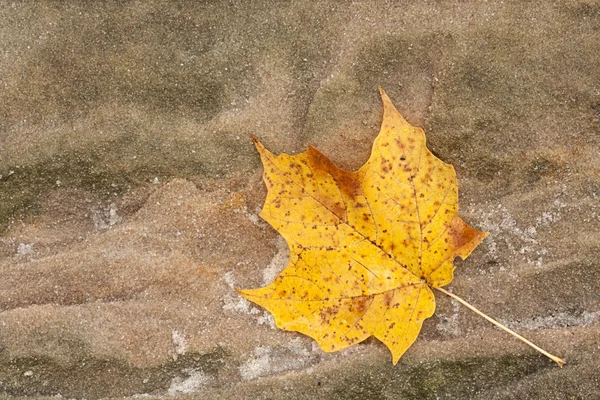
(229, 279)
(252, 216)
(234, 303)
(24, 249)
(258, 366)
(106, 217)
(449, 324)
(507, 233)
(297, 347)
(239, 305)
(562, 320)
(278, 262)
(179, 342)
(267, 361)
(266, 319)
(194, 381)
(113, 217)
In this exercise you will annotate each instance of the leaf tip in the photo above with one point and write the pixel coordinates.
(390, 112)
(241, 292)
(384, 97)
(259, 146)
(256, 142)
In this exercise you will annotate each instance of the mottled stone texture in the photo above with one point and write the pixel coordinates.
(129, 191)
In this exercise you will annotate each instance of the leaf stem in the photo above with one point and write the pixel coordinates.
(557, 360)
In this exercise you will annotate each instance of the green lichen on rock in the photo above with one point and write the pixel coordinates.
(94, 378)
(440, 378)
(112, 167)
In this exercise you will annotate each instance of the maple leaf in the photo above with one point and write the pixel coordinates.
(366, 247)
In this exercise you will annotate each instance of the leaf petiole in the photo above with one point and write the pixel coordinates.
(557, 360)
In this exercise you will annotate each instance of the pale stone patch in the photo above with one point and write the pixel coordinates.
(234, 302)
(258, 366)
(523, 241)
(195, 381)
(586, 318)
(278, 262)
(24, 249)
(267, 319)
(267, 360)
(450, 324)
(179, 342)
(113, 217)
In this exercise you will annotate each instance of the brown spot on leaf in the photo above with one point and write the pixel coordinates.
(387, 298)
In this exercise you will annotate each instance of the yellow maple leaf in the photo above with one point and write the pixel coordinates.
(366, 247)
